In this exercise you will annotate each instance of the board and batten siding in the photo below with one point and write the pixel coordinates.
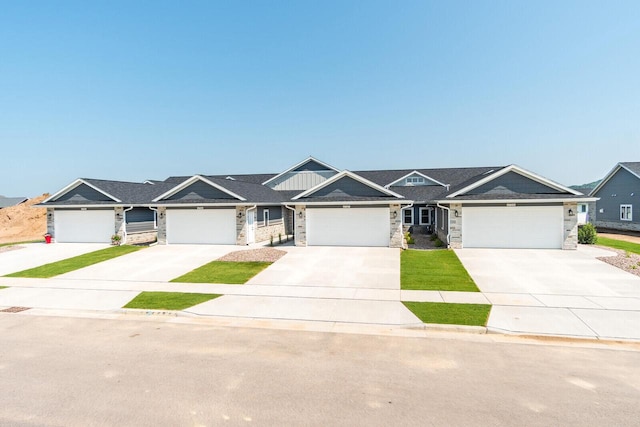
(301, 180)
(618, 191)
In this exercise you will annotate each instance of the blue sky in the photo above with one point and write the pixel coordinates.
(137, 90)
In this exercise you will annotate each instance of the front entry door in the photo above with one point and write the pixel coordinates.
(251, 226)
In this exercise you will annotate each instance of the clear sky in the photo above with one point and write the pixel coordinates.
(135, 90)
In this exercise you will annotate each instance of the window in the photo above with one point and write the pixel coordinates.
(265, 217)
(425, 216)
(407, 216)
(582, 208)
(415, 180)
(626, 213)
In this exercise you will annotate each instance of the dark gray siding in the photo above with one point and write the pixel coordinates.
(513, 183)
(615, 192)
(311, 166)
(83, 193)
(139, 215)
(275, 212)
(200, 191)
(347, 186)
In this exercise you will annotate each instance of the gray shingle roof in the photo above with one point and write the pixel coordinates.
(6, 202)
(632, 166)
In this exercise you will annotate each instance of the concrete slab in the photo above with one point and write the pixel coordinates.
(375, 268)
(66, 299)
(513, 299)
(567, 301)
(328, 310)
(612, 323)
(421, 296)
(617, 303)
(160, 263)
(36, 254)
(464, 297)
(538, 320)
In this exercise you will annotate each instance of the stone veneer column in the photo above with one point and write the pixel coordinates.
(119, 223)
(241, 225)
(396, 237)
(162, 226)
(51, 228)
(455, 226)
(301, 226)
(570, 226)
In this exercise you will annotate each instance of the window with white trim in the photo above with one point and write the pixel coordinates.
(626, 213)
(415, 180)
(425, 216)
(265, 217)
(407, 216)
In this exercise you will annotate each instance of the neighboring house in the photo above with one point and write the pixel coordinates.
(501, 207)
(618, 207)
(6, 202)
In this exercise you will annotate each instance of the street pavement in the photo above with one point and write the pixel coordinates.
(61, 371)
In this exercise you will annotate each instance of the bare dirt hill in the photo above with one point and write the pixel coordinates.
(23, 222)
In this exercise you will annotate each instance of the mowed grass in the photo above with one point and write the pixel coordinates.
(168, 300)
(438, 270)
(21, 243)
(235, 273)
(75, 263)
(450, 313)
(619, 244)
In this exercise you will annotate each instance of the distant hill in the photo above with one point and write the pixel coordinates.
(586, 188)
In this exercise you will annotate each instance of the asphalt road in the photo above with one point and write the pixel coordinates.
(86, 372)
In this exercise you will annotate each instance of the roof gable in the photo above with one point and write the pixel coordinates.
(420, 178)
(311, 166)
(347, 184)
(631, 167)
(198, 188)
(513, 180)
(81, 190)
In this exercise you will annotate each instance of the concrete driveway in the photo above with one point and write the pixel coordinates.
(344, 267)
(36, 254)
(556, 292)
(159, 263)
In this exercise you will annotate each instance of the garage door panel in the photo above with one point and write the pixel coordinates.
(348, 227)
(201, 226)
(88, 226)
(512, 227)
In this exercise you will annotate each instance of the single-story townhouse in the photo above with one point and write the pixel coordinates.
(478, 207)
(618, 197)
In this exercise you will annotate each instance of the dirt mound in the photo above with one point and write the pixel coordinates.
(23, 222)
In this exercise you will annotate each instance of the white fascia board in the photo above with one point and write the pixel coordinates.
(415, 172)
(196, 205)
(521, 171)
(610, 175)
(297, 165)
(111, 206)
(506, 201)
(75, 184)
(353, 203)
(350, 175)
(190, 181)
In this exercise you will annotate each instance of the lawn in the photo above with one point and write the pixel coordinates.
(3, 287)
(21, 243)
(236, 273)
(438, 270)
(75, 263)
(449, 313)
(168, 300)
(619, 244)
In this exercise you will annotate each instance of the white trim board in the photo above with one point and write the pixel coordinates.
(192, 180)
(297, 165)
(352, 175)
(75, 184)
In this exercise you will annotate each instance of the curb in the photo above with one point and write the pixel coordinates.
(450, 328)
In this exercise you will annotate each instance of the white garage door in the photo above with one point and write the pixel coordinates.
(90, 226)
(348, 227)
(512, 227)
(201, 226)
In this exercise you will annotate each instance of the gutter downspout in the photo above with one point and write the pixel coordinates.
(254, 223)
(294, 219)
(124, 218)
(448, 221)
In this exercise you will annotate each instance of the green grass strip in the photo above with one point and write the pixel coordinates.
(3, 287)
(619, 244)
(450, 313)
(437, 270)
(235, 273)
(21, 243)
(75, 263)
(168, 300)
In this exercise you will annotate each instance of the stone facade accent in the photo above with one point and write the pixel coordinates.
(141, 237)
(591, 212)
(619, 225)
(264, 233)
(50, 222)
(396, 235)
(120, 228)
(301, 226)
(162, 226)
(241, 225)
(455, 226)
(570, 226)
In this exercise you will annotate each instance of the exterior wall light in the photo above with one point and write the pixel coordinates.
(300, 215)
(455, 213)
(240, 214)
(571, 212)
(395, 214)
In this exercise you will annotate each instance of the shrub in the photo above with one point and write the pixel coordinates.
(438, 243)
(433, 237)
(587, 234)
(409, 238)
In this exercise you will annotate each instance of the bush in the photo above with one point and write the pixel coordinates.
(409, 238)
(587, 234)
(438, 243)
